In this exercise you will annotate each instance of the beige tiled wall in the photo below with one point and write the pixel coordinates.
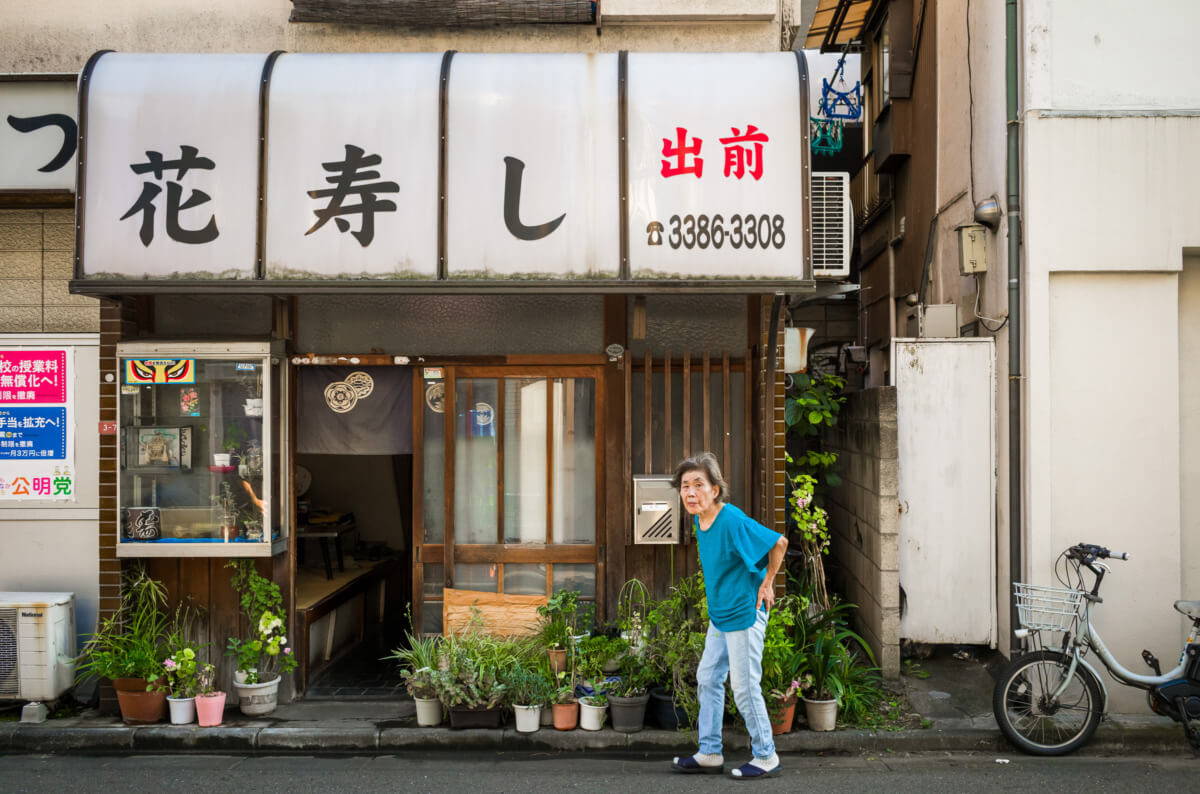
(36, 251)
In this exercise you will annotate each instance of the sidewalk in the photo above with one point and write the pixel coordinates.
(954, 700)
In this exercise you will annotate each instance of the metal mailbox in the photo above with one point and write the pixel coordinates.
(656, 510)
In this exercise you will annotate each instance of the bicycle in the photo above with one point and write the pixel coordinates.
(1049, 702)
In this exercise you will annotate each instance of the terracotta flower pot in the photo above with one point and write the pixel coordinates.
(783, 721)
(566, 716)
(558, 659)
(139, 707)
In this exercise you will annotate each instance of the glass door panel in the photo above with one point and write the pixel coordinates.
(475, 461)
(525, 480)
(574, 457)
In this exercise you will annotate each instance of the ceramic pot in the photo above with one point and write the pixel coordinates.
(257, 699)
(628, 714)
(664, 711)
(822, 714)
(139, 707)
(591, 718)
(183, 710)
(210, 709)
(783, 721)
(528, 718)
(547, 716)
(429, 712)
(558, 659)
(566, 715)
(461, 718)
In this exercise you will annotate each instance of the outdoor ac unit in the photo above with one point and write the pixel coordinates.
(37, 645)
(832, 225)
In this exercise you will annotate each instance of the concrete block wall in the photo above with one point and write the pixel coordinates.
(864, 519)
(36, 254)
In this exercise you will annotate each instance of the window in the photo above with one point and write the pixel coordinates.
(198, 463)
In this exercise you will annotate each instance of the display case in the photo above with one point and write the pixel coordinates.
(198, 449)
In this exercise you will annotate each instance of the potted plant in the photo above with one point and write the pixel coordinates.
(601, 655)
(627, 698)
(467, 682)
(566, 707)
(418, 665)
(781, 660)
(210, 703)
(557, 627)
(527, 691)
(129, 648)
(676, 628)
(593, 710)
(825, 665)
(179, 676)
(264, 657)
(227, 506)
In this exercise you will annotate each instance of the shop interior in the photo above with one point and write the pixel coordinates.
(353, 478)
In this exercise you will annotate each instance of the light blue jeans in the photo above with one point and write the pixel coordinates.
(736, 655)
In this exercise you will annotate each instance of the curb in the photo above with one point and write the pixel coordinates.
(368, 738)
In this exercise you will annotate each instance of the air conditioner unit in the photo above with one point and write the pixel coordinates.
(832, 224)
(37, 645)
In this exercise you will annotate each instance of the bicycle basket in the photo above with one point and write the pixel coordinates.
(1047, 608)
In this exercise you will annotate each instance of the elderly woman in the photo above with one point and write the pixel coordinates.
(740, 558)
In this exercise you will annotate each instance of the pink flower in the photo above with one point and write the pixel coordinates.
(288, 651)
(170, 664)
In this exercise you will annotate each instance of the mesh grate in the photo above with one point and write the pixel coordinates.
(10, 682)
(830, 225)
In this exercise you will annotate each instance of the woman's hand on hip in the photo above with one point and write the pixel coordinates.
(766, 595)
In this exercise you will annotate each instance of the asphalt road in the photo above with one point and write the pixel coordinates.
(528, 774)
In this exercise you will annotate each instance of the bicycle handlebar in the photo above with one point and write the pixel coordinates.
(1086, 552)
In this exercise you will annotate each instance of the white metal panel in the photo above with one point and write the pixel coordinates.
(945, 406)
(557, 116)
(38, 135)
(205, 106)
(697, 100)
(366, 124)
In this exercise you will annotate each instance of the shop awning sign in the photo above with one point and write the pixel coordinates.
(462, 169)
(38, 133)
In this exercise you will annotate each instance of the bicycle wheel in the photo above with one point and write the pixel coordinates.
(1031, 716)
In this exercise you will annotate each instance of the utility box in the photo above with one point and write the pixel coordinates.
(656, 510)
(972, 249)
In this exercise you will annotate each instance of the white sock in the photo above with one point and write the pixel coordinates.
(766, 764)
(706, 759)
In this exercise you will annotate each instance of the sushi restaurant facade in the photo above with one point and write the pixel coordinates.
(435, 312)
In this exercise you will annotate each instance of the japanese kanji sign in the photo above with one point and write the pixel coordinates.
(36, 437)
(517, 157)
(531, 167)
(38, 134)
(715, 167)
(172, 166)
(352, 168)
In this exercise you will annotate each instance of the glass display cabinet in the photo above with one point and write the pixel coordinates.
(198, 449)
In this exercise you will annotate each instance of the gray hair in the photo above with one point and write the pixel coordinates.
(706, 464)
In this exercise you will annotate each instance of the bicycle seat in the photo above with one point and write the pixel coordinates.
(1189, 608)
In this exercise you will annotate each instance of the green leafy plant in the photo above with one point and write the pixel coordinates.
(564, 690)
(132, 643)
(813, 404)
(206, 674)
(558, 619)
(635, 677)
(526, 686)
(596, 652)
(810, 534)
(780, 662)
(265, 654)
(179, 673)
(677, 626)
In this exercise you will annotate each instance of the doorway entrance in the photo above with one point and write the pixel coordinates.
(353, 470)
(508, 479)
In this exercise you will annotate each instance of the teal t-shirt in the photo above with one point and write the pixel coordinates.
(733, 555)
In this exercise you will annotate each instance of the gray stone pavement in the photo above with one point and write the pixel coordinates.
(952, 697)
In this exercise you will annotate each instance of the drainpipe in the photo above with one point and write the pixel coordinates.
(1015, 481)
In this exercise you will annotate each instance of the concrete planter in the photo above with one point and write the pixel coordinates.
(257, 699)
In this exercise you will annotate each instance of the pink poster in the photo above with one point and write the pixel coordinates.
(33, 376)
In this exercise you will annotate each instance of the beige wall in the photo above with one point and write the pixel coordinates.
(1114, 453)
(36, 250)
(39, 36)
